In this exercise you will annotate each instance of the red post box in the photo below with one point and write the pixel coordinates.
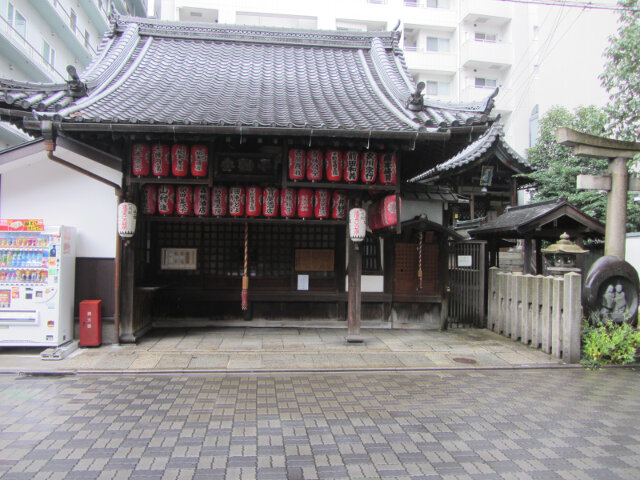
(90, 323)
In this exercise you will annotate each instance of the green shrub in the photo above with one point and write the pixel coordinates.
(608, 343)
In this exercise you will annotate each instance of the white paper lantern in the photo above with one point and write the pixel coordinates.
(127, 213)
(357, 224)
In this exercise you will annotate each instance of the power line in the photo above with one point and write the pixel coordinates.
(576, 4)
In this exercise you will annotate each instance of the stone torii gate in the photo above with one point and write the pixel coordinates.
(617, 183)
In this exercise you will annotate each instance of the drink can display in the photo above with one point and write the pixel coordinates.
(149, 199)
(254, 201)
(305, 203)
(387, 164)
(339, 205)
(236, 201)
(288, 202)
(140, 159)
(160, 160)
(184, 200)
(270, 200)
(321, 203)
(333, 163)
(179, 160)
(166, 199)
(315, 164)
(201, 200)
(368, 167)
(199, 160)
(296, 164)
(219, 200)
(351, 170)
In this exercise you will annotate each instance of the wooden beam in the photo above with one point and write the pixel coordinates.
(598, 152)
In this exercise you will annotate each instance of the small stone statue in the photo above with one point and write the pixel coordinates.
(608, 301)
(620, 301)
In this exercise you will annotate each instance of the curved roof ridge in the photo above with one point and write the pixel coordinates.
(256, 34)
(485, 105)
(380, 94)
(384, 70)
(112, 58)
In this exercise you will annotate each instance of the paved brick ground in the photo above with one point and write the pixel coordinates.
(290, 349)
(464, 425)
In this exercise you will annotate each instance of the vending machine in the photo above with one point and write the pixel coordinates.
(37, 279)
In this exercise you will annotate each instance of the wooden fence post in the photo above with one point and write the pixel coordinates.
(556, 317)
(572, 318)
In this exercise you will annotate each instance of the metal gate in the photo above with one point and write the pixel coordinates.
(467, 282)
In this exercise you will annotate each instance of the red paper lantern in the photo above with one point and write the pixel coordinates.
(387, 169)
(305, 203)
(160, 159)
(270, 200)
(201, 200)
(351, 169)
(140, 159)
(199, 160)
(321, 203)
(149, 199)
(339, 205)
(179, 160)
(296, 164)
(288, 200)
(219, 201)
(184, 200)
(236, 201)
(166, 199)
(333, 163)
(368, 167)
(389, 211)
(254, 201)
(357, 224)
(373, 216)
(315, 164)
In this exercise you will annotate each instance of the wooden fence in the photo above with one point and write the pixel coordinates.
(544, 312)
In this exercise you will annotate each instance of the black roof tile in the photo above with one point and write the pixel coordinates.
(167, 73)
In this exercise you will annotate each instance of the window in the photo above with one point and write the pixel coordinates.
(436, 44)
(486, 82)
(48, 53)
(371, 263)
(17, 21)
(73, 20)
(486, 37)
(438, 89)
(87, 38)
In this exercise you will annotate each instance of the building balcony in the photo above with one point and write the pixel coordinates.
(59, 20)
(25, 56)
(494, 55)
(486, 12)
(436, 62)
(417, 13)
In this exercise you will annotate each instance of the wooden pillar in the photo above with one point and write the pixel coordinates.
(127, 292)
(538, 256)
(354, 297)
(616, 225)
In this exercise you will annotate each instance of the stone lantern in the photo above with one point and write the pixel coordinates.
(562, 256)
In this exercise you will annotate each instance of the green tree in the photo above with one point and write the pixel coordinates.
(621, 76)
(557, 167)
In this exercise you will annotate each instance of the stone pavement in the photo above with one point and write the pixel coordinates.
(238, 349)
(541, 424)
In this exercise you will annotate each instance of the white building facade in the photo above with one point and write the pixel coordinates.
(39, 38)
(538, 55)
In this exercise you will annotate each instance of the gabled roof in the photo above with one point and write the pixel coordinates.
(153, 75)
(491, 143)
(546, 220)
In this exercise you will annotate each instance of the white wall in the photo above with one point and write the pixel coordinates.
(61, 196)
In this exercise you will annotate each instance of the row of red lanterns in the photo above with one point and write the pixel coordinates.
(350, 166)
(238, 201)
(160, 159)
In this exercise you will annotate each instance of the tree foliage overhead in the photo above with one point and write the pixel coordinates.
(557, 168)
(621, 77)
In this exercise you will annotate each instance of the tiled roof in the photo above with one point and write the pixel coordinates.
(172, 75)
(492, 139)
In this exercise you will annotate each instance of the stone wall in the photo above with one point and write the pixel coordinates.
(543, 312)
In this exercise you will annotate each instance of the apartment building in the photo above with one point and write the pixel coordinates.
(39, 38)
(538, 55)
